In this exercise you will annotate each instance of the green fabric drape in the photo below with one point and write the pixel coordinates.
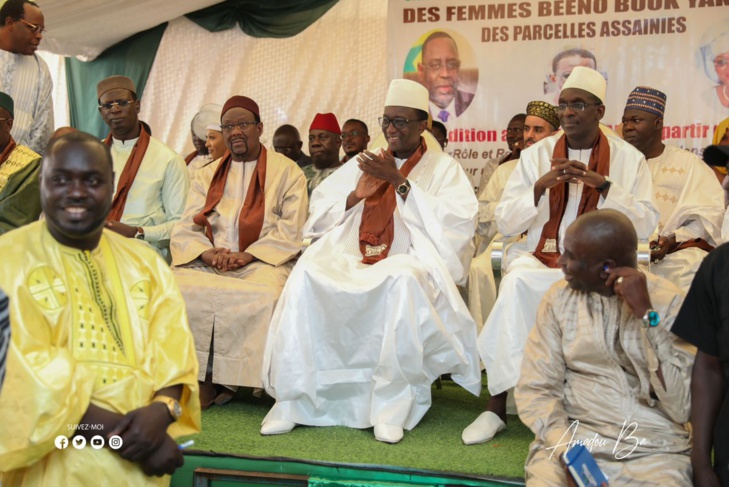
(133, 57)
(262, 18)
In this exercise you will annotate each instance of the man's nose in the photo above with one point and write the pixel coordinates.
(77, 189)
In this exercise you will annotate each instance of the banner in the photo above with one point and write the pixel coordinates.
(494, 57)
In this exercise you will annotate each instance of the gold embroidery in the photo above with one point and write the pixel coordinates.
(140, 295)
(18, 159)
(47, 288)
(371, 251)
(550, 245)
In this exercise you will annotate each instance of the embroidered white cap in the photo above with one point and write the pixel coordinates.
(587, 79)
(406, 93)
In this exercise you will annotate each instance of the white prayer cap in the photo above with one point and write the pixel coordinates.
(209, 114)
(406, 93)
(587, 79)
(214, 126)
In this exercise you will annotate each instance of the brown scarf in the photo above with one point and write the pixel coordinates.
(547, 250)
(8, 149)
(192, 155)
(377, 230)
(696, 242)
(128, 174)
(250, 220)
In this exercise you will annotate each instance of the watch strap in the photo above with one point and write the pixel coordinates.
(173, 406)
(604, 186)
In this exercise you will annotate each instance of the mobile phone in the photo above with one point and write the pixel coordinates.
(583, 467)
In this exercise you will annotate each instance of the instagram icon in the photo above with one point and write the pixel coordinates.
(115, 442)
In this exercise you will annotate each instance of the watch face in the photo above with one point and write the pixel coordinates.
(653, 318)
(177, 409)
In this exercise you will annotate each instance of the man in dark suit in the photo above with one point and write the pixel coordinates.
(439, 71)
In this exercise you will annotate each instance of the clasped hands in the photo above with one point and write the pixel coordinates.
(145, 440)
(225, 260)
(564, 170)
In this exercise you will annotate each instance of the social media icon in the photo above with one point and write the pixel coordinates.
(61, 442)
(97, 442)
(79, 442)
(115, 442)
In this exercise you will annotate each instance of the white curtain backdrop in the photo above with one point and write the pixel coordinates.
(336, 65)
(57, 67)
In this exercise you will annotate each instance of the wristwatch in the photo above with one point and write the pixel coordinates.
(651, 318)
(140, 233)
(404, 188)
(173, 406)
(604, 186)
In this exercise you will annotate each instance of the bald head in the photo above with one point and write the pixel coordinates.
(61, 131)
(594, 243)
(610, 231)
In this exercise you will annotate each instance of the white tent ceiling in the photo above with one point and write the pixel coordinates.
(85, 28)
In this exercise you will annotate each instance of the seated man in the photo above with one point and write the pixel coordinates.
(601, 364)
(686, 192)
(324, 143)
(371, 315)
(515, 143)
(555, 181)
(19, 168)
(100, 341)
(234, 248)
(287, 141)
(355, 137)
(151, 179)
(541, 121)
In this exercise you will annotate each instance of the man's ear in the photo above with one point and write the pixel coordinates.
(600, 112)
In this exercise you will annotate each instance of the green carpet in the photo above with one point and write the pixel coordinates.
(435, 444)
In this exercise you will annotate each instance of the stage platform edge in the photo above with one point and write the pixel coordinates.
(210, 469)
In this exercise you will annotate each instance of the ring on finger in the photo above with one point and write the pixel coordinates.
(564, 171)
(620, 280)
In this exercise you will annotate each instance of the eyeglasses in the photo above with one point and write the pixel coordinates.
(349, 135)
(578, 106)
(5, 119)
(721, 62)
(243, 126)
(34, 28)
(449, 65)
(398, 123)
(118, 103)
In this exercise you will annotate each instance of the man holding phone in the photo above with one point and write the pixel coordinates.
(601, 366)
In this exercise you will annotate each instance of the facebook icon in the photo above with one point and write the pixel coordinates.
(61, 442)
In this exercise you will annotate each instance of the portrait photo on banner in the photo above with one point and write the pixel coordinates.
(444, 62)
(561, 66)
(713, 60)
